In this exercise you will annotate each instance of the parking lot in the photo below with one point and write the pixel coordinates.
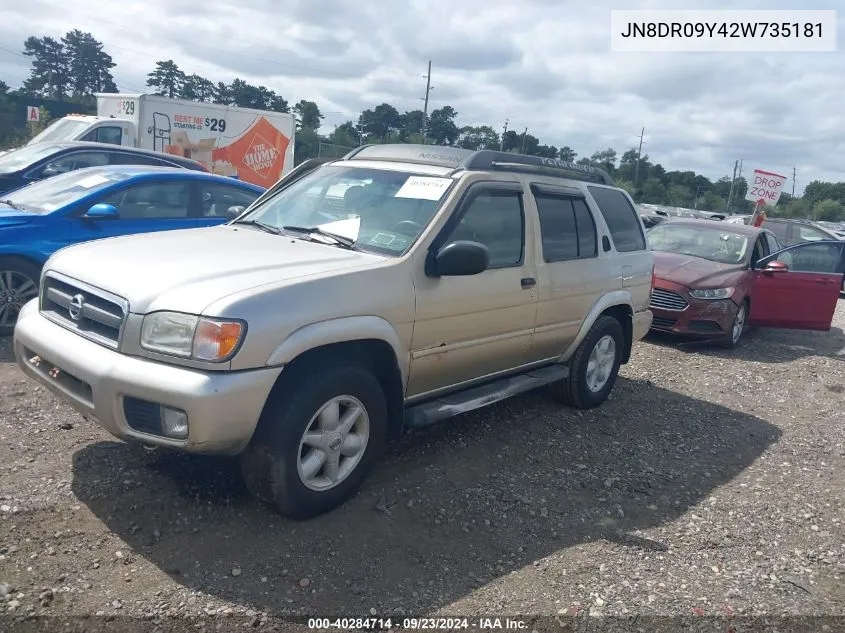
(711, 480)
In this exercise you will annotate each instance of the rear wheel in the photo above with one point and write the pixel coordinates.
(594, 367)
(316, 441)
(18, 284)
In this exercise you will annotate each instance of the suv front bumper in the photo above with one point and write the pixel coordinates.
(222, 407)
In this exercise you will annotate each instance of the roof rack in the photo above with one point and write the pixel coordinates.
(482, 160)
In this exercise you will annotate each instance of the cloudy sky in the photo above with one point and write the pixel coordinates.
(541, 64)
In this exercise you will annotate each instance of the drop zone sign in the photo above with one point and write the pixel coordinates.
(765, 188)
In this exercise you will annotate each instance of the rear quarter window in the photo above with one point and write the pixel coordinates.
(621, 218)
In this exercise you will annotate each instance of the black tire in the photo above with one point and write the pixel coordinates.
(573, 390)
(18, 269)
(269, 464)
(731, 341)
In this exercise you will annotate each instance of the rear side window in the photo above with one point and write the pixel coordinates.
(566, 228)
(778, 228)
(622, 220)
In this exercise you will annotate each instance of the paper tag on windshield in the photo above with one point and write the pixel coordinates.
(92, 181)
(424, 188)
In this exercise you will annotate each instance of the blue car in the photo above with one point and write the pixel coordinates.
(97, 202)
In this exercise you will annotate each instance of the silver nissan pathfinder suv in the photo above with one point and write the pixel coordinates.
(392, 288)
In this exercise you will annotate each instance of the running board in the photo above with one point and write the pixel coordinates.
(439, 409)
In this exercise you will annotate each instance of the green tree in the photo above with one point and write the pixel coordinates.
(478, 137)
(89, 66)
(380, 121)
(606, 159)
(196, 88)
(222, 94)
(567, 154)
(4, 88)
(345, 135)
(167, 79)
(308, 115)
(50, 74)
(441, 126)
(830, 210)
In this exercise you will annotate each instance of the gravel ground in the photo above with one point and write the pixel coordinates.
(711, 483)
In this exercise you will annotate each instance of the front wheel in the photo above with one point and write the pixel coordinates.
(317, 439)
(738, 326)
(594, 367)
(18, 284)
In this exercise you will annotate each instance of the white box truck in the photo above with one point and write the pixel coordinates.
(251, 145)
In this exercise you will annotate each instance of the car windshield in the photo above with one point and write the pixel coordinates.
(61, 130)
(22, 157)
(715, 244)
(50, 194)
(377, 210)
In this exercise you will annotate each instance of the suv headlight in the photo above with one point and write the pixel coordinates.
(712, 293)
(191, 336)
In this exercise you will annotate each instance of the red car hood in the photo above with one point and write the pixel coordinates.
(695, 272)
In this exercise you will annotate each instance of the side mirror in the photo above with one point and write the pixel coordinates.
(233, 212)
(461, 258)
(775, 267)
(102, 212)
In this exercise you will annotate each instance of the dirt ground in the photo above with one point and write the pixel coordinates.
(712, 483)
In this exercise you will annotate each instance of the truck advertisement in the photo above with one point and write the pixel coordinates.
(251, 145)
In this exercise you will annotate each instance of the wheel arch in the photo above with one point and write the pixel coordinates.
(368, 341)
(617, 304)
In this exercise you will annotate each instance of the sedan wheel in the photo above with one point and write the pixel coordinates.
(16, 289)
(738, 326)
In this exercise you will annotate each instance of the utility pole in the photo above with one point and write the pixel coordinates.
(794, 174)
(502, 140)
(428, 88)
(639, 154)
(522, 150)
(731, 193)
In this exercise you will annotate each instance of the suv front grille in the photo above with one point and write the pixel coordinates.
(95, 314)
(667, 300)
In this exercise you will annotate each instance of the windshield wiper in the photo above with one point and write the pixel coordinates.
(267, 228)
(9, 203)
(340, 240)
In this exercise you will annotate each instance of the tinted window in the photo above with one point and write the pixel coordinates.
(216, 200)
(773, 243)
(622, 220)
(109, 134)
(778, 228)
(74, 161)
(127, 158)
(587, 238)
(812, 258)
(566, 228)
(152, 200)
(494, 218)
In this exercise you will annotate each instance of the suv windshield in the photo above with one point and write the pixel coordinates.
(61, 130)
(50, 194)
(717, 245)
(24, 156)
(379, 210)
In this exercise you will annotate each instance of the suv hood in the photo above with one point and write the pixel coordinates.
(695, 272)
(187, 270)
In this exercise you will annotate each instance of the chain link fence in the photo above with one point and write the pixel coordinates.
(330, 150)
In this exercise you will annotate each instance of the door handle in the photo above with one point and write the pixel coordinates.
(823, 281)
(528, 282)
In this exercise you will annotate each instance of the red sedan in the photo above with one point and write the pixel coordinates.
(713, 279)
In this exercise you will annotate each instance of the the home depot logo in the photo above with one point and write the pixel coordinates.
(261, 156)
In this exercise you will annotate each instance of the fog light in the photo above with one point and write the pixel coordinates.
(174, 422)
